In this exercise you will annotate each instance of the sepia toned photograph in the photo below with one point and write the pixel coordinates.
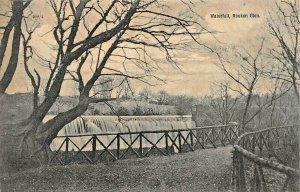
(149, 95)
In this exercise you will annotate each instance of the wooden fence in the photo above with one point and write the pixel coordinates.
(115, 146)
(267, 160)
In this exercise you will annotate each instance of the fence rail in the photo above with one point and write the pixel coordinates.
(92, 148)
(267, 160)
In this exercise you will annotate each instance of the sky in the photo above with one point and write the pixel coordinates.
(198, 67)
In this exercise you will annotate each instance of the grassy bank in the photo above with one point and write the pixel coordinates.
(17, 107)
(202, 170)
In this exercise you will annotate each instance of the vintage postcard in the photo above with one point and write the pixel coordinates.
(149, 95)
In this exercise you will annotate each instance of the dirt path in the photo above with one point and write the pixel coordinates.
(202, 170)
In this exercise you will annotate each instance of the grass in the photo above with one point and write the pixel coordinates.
(202, 170)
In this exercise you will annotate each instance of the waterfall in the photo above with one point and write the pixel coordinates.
(123, 124)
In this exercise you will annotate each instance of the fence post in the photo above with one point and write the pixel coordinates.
(261, 146)
(94, 148)
(234, 171)
(230, 134)
(221, 135)
(239, 182)
(242, 173)
(238, 130)
(256, 179)
(213, 137)
(262, 178)
(203, 136)
(293, 183)
(141, 144)
(253, 144)
(192, 139)
(67, 150)
(268, 142)
(179, 141)
(118, 146)
(167, 144)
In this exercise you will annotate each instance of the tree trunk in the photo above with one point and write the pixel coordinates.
(13, 61)
(19, 146)
(27, 144)
(4, 40)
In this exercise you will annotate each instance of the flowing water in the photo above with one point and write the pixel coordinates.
(124, 124)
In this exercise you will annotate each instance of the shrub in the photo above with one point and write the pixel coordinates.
(122, 111)
(96, 112)
(137, 111)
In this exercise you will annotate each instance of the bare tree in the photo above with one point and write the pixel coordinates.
(247, 71)
(284, 26)
(163, 98)
(34, 76)
(223, 105)
(125, 30)
(103, 87)
(14, 24)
